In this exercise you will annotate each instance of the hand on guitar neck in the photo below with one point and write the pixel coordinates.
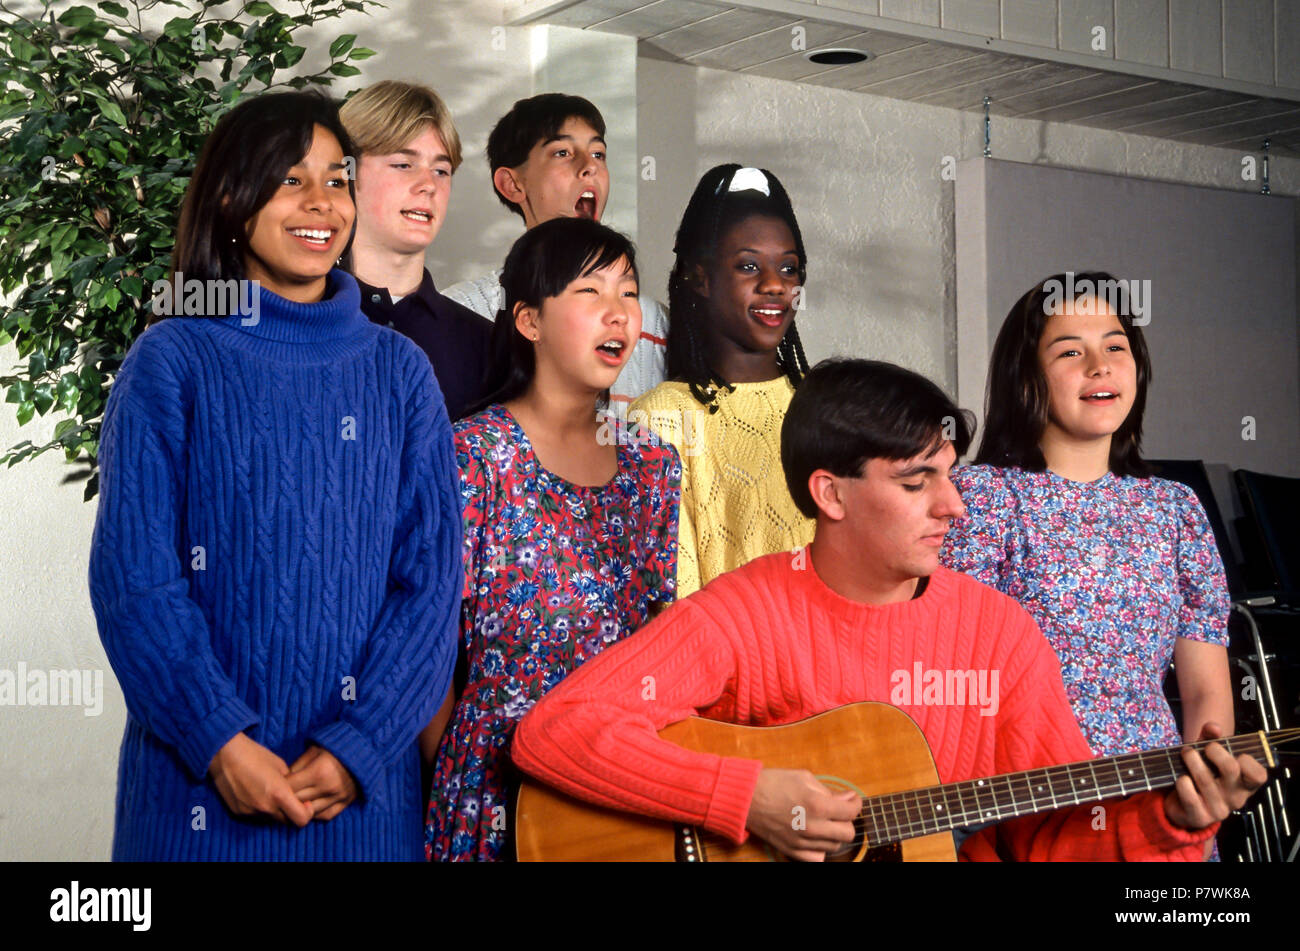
(801, 817)
(1210, 791)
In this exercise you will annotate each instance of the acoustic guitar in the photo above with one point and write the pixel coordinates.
(874, 749)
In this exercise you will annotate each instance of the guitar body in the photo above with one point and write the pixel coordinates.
(871, 748)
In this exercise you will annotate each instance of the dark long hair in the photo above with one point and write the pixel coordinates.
(1016, 401)
(542, 263)
(243, 161)
(711, 212)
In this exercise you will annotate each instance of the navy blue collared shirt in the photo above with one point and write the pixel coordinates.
(455, 338)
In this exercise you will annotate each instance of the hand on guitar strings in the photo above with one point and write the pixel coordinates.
(1211, 790)
(800, 816)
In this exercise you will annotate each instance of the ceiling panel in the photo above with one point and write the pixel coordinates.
(1040, 103)
(981, 66)
(797, 66)
(589, 13)
(718, 30)
(722, 35)
(774, 44)
(1201, 100)
(1023, 75)
(1212, 118)
(842, 77)
(1255, 130)
(651, 19)
(903, 62)
(1144, 94)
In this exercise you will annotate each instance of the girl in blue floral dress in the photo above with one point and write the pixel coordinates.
(1120, 570)
(570, 521)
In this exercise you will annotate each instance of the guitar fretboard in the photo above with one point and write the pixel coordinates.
(917, 812)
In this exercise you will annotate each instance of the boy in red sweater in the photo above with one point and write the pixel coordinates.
(867, 448)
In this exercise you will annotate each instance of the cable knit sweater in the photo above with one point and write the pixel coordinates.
(770, 643)
(277, 551)
(735, 502)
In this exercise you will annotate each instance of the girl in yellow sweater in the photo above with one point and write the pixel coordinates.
(734, 359)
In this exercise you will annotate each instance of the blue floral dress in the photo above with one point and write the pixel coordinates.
(1113, 571)
(554, 573)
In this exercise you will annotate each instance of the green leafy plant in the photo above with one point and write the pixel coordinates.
(101, 120)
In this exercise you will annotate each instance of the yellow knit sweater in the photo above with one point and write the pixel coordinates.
(735, 504)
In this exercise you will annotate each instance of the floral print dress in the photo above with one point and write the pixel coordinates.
(554, 573)
(1113, 571)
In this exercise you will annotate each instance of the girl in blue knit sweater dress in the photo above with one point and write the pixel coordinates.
(276, 565)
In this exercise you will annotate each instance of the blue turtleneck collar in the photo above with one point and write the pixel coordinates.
(330, 328)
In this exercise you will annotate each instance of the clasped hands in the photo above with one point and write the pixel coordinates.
(254, 781)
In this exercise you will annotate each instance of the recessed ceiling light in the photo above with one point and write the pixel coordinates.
(837, 56)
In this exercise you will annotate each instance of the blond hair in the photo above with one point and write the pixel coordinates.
(386, 116)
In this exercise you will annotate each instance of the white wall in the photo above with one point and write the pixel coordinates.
(863, 173)
(58, 767)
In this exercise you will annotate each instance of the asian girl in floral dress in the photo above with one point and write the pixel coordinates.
(570, 521)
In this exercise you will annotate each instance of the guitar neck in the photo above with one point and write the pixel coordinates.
(976, 802)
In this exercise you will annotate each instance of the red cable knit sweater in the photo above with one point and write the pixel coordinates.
(770, 643)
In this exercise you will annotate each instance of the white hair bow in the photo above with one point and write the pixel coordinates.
(749, 179)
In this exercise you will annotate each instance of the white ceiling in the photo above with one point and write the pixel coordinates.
(907, 64)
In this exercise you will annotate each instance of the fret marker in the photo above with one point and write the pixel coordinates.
(980, 783)
(938, 808)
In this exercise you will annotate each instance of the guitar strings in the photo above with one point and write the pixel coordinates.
(1061, 780)
(918, 822)
(1061, 786)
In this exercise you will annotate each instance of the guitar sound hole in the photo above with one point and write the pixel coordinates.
(852, 852)
(891, 852)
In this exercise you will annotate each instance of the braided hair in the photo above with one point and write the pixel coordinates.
(711, 212)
